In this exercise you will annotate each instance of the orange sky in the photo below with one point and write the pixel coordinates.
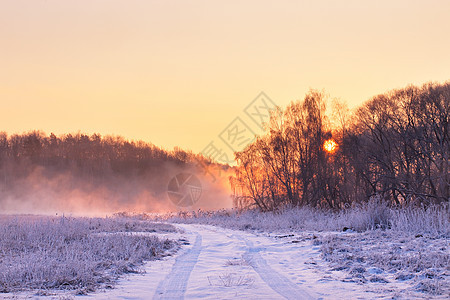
(178, 72)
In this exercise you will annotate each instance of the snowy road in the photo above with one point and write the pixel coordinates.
(226, 264)
(174, 285)
(219, 262)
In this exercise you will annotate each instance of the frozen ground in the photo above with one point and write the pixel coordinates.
(75, 254)
(294, 254)
(397, 264)
(218, 263)
(392, 252)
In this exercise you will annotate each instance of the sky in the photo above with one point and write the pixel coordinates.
(176, 73)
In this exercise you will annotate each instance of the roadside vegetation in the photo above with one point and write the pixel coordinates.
(77, 254)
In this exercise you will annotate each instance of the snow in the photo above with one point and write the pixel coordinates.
(220, 263)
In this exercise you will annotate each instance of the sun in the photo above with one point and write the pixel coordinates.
(330, 145)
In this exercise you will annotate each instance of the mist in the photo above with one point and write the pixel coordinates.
(91, 176)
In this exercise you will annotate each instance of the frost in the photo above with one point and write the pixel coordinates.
(82, 254)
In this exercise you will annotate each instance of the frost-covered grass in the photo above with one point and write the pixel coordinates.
(373, 215)
(81, 254)
(420, 261)
(373, 243)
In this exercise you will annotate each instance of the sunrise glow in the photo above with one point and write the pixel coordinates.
(330, 146)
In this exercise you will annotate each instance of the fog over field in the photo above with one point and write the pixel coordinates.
(88, 175)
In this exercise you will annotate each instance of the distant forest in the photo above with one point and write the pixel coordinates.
(89, 156)
(395, 148)
(39, 170)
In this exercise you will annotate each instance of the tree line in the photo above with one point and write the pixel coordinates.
(32, 161)
(395, 147)
(91, 154)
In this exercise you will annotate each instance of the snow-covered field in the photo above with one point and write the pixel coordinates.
(279, 256)
(44, 254)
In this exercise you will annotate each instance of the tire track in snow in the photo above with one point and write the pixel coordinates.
(174, 285)
(277, 282)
